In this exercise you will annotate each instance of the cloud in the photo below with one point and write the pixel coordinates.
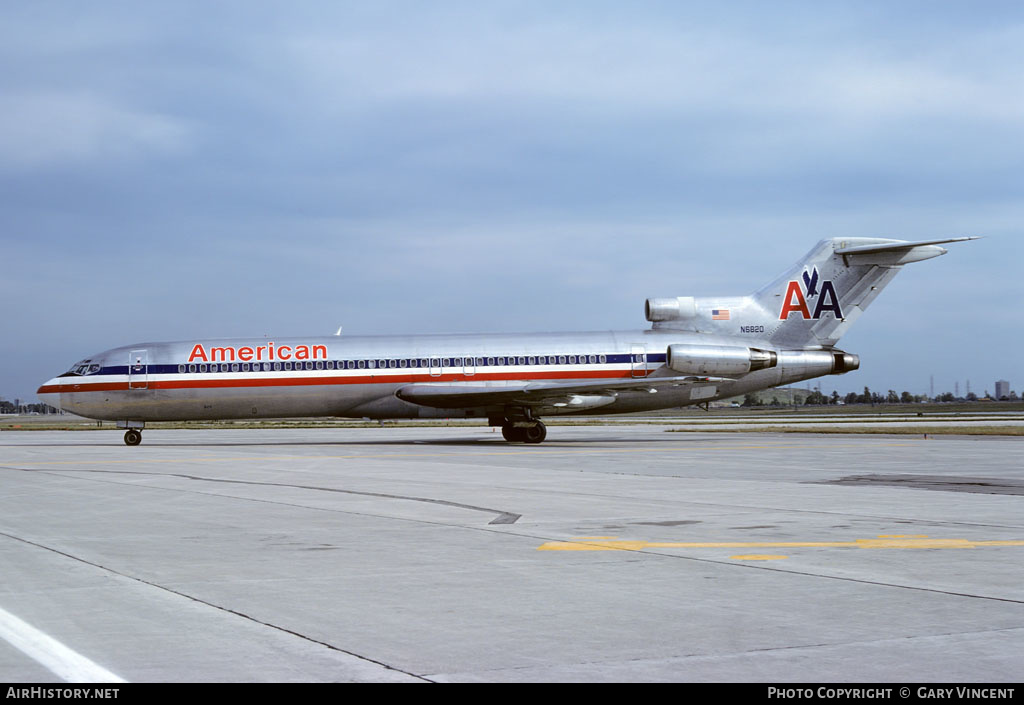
(52, 129)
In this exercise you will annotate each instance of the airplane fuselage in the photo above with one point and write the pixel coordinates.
(358, 376)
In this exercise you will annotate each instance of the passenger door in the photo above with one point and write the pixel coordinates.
(138, 369)
(638, 360)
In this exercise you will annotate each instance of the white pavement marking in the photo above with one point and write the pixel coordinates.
(65, 663)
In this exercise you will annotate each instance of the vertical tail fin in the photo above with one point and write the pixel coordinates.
(812, 304)
(818, 299)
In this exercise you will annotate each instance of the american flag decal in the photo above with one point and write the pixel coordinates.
(719, 314)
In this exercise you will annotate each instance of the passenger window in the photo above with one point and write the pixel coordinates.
(532, 360)
(181, 368)
(602, 359)
(445, 362)
(561, 359)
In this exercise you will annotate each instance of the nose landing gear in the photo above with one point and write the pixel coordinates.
(133, 436)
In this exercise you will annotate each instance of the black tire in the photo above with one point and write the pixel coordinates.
(513, 434)
(132, 437)
(536, 433)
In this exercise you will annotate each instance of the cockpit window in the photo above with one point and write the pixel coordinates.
(79, 369)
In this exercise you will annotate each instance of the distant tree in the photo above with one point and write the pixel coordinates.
(852, 398)
(750, 400)
(892, 397)
(907, 398)
(775, 402)
(835, 397)
(816, 398)
(972, 397)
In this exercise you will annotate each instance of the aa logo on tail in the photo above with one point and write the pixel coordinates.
(821, 293)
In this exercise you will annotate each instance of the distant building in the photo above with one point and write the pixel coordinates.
(1002, 389)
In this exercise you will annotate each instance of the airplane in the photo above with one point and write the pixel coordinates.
(698, 349)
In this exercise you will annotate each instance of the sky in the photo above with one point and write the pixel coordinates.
(184, 170)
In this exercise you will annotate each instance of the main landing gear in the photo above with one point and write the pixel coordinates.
(534, 433)
(520, 426)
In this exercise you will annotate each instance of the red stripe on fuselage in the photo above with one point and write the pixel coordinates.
(333, 380)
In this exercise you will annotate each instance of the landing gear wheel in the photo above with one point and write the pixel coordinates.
(513, 434)
(132, 437)
(525, 434)
(536, 433)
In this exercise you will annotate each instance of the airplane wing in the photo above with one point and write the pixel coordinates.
(533, 393)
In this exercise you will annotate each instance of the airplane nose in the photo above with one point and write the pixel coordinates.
(49, 394)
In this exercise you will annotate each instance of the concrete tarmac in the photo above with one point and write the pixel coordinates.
(608, 553)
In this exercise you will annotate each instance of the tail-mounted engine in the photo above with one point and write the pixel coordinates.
(680, 308)
(718, 360)
(735, 360)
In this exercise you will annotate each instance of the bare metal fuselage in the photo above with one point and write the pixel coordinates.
(359, 376)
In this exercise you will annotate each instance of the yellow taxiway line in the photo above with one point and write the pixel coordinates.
(885, 541)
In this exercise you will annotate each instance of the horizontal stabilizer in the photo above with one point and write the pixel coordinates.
(899, 245)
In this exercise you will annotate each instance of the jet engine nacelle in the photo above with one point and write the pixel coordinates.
(718, 360)
(815, 363)
(679, 308)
